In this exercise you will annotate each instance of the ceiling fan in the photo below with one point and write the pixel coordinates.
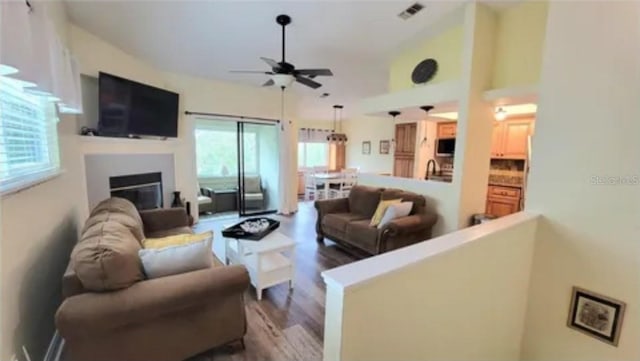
(283, 73)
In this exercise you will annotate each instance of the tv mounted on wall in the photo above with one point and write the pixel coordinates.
(128, 108)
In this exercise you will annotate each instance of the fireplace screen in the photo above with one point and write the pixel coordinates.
(143, 190)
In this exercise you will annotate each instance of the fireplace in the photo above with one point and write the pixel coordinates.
(143, 190)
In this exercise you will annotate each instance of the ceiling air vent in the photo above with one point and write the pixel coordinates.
(411, 11)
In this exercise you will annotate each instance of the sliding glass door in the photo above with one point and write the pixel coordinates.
(258, 167)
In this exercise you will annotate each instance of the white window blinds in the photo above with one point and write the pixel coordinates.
(28, 137)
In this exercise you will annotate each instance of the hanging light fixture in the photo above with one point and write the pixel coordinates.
(500, 114)
(339, 137)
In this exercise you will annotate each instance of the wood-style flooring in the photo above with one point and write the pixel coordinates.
(285, 324)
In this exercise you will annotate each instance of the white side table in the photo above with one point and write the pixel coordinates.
(269, 261)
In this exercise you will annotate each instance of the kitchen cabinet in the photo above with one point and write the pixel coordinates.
(405, 149)
(502, 201)
(510, 138)
(447, 129)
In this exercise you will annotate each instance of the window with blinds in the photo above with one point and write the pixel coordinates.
(28, 137)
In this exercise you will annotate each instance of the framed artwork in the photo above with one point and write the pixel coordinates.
(596, 315)
(366, 147)
(384, 146)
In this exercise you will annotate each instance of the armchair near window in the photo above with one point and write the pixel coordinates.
(206, 200)
(254, 194)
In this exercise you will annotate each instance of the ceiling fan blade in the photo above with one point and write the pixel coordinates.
(308, 82)
(272, 63)
(251, 72)
(269, 82)
(315, 72)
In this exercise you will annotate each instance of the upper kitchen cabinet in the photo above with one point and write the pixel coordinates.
(447, 129)
(510, 139)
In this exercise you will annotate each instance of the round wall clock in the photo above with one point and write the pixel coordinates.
(424, 71)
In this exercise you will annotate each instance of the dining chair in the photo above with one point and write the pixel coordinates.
(312, 187)
(342, 189)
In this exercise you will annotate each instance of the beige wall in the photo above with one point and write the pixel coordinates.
(374, 129)
(39, 226)
(519, 44)
(462, 296)
(587, 126)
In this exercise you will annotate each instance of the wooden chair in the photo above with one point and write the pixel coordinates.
(342, 189)
(312, 187)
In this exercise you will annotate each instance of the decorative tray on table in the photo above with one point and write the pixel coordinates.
(253, 229)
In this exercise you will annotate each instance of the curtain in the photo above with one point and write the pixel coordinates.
(287, 188)
(309, 135)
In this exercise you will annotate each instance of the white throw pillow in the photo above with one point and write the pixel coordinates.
(177, 259)
(395, 211)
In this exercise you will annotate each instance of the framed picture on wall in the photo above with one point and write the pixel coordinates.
(384, 147)
(596, 315)
(366, 147)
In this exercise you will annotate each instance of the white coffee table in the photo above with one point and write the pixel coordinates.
(269, 261)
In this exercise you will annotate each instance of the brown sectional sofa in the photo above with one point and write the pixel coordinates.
(346, 220)
(111, 313)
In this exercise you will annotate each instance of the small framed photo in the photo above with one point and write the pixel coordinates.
(366, 147)
(384, 147)
(596, 315)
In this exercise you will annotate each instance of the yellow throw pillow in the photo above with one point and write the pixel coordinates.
(382, 207)
(177, 240)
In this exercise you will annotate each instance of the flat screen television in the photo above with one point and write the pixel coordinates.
(128, 108)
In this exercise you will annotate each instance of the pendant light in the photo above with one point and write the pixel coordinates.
(339, 137)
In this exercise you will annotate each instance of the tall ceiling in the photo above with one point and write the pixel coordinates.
(207, 39)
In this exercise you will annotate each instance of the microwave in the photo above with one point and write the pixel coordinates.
(445, 147)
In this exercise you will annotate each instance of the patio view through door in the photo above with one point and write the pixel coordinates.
(238, 162)
(258, 167)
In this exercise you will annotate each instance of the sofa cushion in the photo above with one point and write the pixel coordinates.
(253, 196)
(252, 184)
(117, 210)
(364, 200)
(106, 258)
(204, 200)
(382, 207)
(362, 235)
(339, 221)
(169, 232)
(419, 203)
(177, 240)
(173, 260)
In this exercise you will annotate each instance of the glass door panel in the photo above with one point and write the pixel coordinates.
(258, 168)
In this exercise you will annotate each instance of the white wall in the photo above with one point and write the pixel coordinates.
(461, 296)
(39, 227)
(587, 126)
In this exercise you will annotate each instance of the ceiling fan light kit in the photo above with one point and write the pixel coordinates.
(283, 74)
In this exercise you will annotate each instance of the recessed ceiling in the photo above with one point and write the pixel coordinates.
(355, 39)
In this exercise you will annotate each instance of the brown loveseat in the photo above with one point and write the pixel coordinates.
(111, 313)
(346, 220)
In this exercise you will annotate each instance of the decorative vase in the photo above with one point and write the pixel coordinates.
(177, 201)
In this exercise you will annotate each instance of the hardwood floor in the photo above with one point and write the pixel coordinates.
(285, 324)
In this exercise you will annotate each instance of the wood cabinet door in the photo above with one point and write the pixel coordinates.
(447, 129)
(515, 139)
(496, 140)
(403, 167)
(406, 138)
(502, 206)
